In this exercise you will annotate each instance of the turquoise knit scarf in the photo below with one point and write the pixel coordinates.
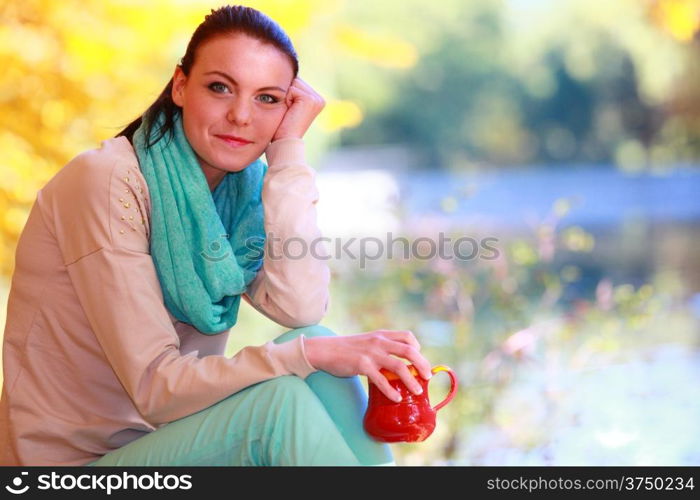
(206, 246)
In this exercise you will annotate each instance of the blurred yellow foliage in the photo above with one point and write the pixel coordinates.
(681, 18)
(340, 114)
(384, 50)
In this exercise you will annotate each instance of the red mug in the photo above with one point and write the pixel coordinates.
(410, 420)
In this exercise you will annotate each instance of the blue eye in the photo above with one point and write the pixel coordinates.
(273, 99)
(217, 84)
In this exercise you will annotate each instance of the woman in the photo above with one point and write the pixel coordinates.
(131, 266)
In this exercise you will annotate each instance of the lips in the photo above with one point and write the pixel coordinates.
(233, 140)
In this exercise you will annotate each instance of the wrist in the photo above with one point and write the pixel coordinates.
(311, 349)
(285, 152)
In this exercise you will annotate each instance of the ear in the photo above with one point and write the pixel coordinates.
(179, 80)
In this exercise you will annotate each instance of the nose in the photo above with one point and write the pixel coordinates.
(239, 112)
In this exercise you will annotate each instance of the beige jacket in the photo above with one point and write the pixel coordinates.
(92, 357)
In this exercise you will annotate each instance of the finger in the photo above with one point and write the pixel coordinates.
(410, 353)
(298, 82)
(295, 93)
(405, 336)
(384, 386)
(301, 86)
(401, 369)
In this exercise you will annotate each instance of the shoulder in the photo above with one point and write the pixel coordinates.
(99, 198)
(92, 169)
(98, 163)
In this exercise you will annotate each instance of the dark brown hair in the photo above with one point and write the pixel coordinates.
(226, 20)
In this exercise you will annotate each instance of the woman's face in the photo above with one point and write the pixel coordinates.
(236, 87)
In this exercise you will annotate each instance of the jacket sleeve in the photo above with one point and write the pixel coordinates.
(116, 283)
(291, 288)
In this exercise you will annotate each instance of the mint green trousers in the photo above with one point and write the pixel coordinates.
(282, 421)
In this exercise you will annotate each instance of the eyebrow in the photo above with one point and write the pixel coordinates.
(231, 79)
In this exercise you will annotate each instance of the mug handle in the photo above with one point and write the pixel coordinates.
(453, 384)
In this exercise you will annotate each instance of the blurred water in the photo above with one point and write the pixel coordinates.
(599, 196)
(645, 412)
(368, 202)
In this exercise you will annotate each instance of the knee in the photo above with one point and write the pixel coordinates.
(317, 331)
(307, 331)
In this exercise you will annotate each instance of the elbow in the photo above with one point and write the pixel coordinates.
(304, 313)
(293, 305)
(147, 408)
(150, 414)
(150, 407)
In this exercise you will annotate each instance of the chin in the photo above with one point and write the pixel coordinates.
(230, 168)
(231, 161)
(237, 165)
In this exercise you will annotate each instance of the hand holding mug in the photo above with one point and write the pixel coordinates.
(367, 354)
